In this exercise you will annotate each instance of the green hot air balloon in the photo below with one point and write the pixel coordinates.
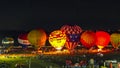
(115, 40)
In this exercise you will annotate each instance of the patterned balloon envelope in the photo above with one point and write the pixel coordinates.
(88, 38)
(103, 39)
(73, 35)
(115, 40)
(57, 39)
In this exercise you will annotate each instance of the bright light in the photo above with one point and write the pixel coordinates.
(99, 50)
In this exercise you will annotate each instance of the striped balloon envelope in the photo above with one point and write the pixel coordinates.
(88, 38)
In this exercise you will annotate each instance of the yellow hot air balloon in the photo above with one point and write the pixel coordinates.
(37, 37)
(57, 39)
(115, 40)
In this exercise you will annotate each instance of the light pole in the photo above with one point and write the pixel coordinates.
(30, 62)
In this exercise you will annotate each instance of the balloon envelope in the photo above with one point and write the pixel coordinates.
(7, 40)
(37, 37)
(103, 39)
(73, 35)
(88, 39)
(115, 40)
(22, 39)
(57, 39)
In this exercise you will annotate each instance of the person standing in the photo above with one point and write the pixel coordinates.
(91, 63)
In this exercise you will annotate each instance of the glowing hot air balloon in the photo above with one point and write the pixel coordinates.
(37, 37)
(57, 39)
(103, 39)
(88, 38)
(115, 40)
(73, 35)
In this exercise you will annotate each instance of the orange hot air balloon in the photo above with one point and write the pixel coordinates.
(88, 38)
(57, 39)
(102, 39)
(37, 37)
(115, 40)
(73, 35)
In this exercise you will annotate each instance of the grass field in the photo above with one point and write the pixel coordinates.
(44, 61)
(10, 61)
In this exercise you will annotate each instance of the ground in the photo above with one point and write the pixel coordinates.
(55, 59)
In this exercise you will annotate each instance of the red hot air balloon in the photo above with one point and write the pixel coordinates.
(22, 39)
(73, 35)
(103, 39)
(88, 39)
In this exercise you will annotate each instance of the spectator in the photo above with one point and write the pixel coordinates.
(68, 63)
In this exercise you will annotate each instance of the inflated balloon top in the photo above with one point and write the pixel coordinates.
(23, 36)
(88, 38)
(72, 32)
(103, 39)
(71, 29)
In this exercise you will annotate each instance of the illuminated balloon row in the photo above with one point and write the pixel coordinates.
(88, 38)
(100, 38)
(70, 36)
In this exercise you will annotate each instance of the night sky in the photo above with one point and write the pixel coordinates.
(52, 14)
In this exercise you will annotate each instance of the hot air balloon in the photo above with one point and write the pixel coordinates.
(88, 38)
(73, 35)
(37, 37)
(115, 40)
(103, 39)
(22, 39)
(7, 42)
(57, 39)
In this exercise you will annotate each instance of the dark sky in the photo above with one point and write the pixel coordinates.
(52, 14)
